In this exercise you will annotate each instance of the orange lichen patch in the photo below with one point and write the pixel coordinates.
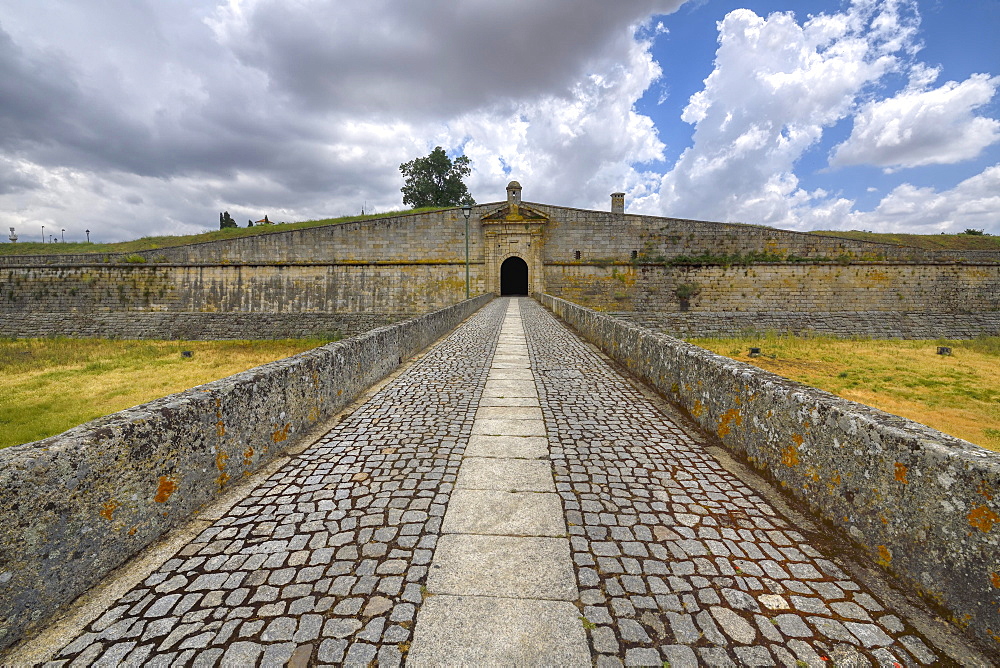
(836, 479)
(281, 433)
(167, 486)
(220, 429)
(132, 531)
(222, 480)
(983, 518)
(884, 555)
(248, 456)
(339, 392)
(732, 415)
(108, 509)
(995, 580)
(698, 409)
(790, 456)
(220, 459)
(901, 473)
(984, 490)
(798, 439)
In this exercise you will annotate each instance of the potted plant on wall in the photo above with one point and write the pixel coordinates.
(684, 292)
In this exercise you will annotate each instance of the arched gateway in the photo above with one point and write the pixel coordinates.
(514, 276)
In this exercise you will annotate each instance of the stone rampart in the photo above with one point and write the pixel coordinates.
(869, 324)
(75, 506)
(193, 326)
(798, 287)
(924, 505)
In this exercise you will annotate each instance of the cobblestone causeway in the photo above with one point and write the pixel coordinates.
(328, 561)
(325, 562)
(676, 559)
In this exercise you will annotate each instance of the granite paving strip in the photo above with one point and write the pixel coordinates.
(502, 586)
(325, 562)
(679, 561)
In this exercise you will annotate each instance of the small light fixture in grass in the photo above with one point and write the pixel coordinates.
(755, 352)
(943, 350)
(187, 353)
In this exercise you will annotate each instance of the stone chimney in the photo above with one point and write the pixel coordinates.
(617, 202)
(514, 193)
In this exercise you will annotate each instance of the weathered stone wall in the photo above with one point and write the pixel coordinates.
(870, 286)
(394, 288)
(193, 326)
(75, 506)
(873, 324)
(924, 505)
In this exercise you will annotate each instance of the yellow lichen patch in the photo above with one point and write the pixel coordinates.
(220, 429)
(108, 509)
(222, 480)
(884, 555)
(983, 518)
(248, 456)
(132, 531)
(995, 580)
(790, 456)
(732, 415)
(220, 459)
(900, 473)
(166, 487)
(280, 434)
(698, 409)
(798, 439)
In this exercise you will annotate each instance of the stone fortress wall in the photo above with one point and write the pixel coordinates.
(407, 264)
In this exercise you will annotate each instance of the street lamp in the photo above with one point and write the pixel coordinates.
(12, 237)
(467, 211)
(88, 235)
(43, 234)
(64, 235)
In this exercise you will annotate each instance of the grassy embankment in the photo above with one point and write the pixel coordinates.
(50, 385)
(959, 395)
(25, 247)
(925, 241)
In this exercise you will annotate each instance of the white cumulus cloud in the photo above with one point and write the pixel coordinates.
(923, 126)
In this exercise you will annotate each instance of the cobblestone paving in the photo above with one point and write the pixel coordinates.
(676, 559)
(325, 562)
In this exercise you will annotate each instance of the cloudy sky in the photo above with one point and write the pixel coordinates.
(145, 117)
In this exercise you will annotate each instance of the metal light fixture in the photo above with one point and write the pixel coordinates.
(12, 237)
(64, 235)
(88, 235)
(467, 211)
(43, 234)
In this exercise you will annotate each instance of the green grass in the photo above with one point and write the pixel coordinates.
(925, 241)
(154, 243)
(50, 385)
(957, 394)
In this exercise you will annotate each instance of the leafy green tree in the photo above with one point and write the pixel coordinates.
(436, 180)
(225, 220)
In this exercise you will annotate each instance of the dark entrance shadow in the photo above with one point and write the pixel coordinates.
(514, 277)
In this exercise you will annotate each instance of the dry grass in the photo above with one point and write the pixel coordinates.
(959, 395)
(50, 385)
(925, 241)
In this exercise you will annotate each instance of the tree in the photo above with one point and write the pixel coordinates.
(436, 180)
(225, 220)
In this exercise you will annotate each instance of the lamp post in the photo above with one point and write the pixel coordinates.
(467, 211)
(88, 235)
(43, 234)
(12, 237)
(64, 235)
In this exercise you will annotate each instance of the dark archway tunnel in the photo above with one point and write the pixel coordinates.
(514, 277)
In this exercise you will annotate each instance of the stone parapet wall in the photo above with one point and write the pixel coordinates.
(799, 287)
(75, 506)
(193, 326)
(924, 505)
(312, 288)
(871, 324)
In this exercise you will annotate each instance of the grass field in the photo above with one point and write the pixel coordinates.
(29, 247)
(50, 385)
(959, 395)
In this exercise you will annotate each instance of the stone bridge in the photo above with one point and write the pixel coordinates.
(509, 497)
